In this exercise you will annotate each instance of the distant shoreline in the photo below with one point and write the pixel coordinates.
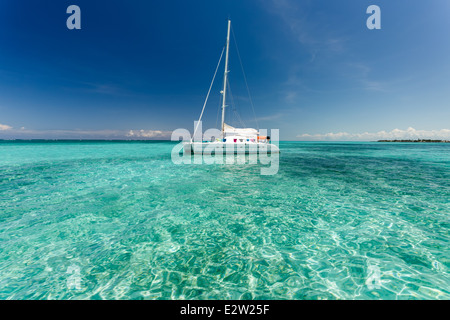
(418, 140)
(167, 140)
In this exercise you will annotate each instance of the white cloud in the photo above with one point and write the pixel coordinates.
(24, 133)
(149, 134)
(305, 29)
(396, 134)
(4, 127)
(270, 117)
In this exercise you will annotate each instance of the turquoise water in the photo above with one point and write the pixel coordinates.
(119, 220)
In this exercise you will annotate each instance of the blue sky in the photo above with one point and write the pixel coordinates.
(314, 70)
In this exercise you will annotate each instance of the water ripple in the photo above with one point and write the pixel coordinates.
(120, 221)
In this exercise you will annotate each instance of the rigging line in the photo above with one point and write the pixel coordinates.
(231, 116)
(218, 111)
(245, 78)
(233, 106)
(207, 96)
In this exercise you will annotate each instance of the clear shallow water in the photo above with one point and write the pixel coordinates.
(110, 220)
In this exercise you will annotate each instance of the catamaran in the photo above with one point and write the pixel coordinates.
(231, 140)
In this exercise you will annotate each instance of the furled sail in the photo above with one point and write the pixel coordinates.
(243, 131)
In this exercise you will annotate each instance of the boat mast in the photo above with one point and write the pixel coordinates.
(225, 81)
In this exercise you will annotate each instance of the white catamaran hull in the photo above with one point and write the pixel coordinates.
(229, 148)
